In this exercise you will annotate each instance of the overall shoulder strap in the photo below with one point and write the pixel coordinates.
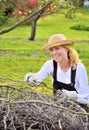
(73, 74)
(55, 70)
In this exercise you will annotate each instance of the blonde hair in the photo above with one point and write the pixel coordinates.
(72, 56)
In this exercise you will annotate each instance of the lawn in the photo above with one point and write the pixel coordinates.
(19, 56)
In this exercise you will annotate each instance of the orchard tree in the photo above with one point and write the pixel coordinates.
(78, 3)
(28, 9)
(69, 7)
(81, 3)
(48, 10)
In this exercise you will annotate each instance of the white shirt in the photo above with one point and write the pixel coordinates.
(81, 79)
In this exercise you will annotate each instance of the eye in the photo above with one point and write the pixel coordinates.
(51, 49)
(57, 47)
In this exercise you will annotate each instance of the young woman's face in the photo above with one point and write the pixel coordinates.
(58, 53)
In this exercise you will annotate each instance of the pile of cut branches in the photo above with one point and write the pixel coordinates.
(26, 109)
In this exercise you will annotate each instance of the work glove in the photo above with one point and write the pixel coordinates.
(32, 78)
(68, 94)
(83, 99)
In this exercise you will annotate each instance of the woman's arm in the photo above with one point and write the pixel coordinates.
(45, 70)
(81, 81)
(81, 84)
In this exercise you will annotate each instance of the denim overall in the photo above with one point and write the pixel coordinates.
(59, 85)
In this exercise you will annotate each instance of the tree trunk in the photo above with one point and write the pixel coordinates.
(81, 3)
(33, 30)
(34, 21)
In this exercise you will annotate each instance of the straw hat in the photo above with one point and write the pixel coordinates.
(57, 40)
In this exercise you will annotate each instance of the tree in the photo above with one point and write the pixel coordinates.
(31, 10)
(46, 11)
(25, 8)
(81, 3)
(78, 3)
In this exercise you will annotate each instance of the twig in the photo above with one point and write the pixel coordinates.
(8, 110)
(30, 127)
(46, 103)
(11, 79)
(12, 124)
(60, 126)
(5, 124)
(24, 125)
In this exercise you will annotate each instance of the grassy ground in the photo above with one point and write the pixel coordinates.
(19, 56)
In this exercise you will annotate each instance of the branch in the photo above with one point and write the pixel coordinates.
(45, 103)
(25, 19)
(22, 81)
(11, 79)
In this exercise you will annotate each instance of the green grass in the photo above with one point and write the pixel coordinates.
(19, 56)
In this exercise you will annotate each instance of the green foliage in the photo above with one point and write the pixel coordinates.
(68, 8)
(3, 18)
(80, 27)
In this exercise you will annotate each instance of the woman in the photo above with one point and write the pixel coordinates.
(68, 73)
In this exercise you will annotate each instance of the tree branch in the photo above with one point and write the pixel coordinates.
(45, 103)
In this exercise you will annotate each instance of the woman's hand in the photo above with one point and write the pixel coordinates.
(32, 78)
(68, 94)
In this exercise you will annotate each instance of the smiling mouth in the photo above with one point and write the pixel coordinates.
(56, 57)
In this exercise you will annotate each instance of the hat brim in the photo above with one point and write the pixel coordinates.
(59, 43)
